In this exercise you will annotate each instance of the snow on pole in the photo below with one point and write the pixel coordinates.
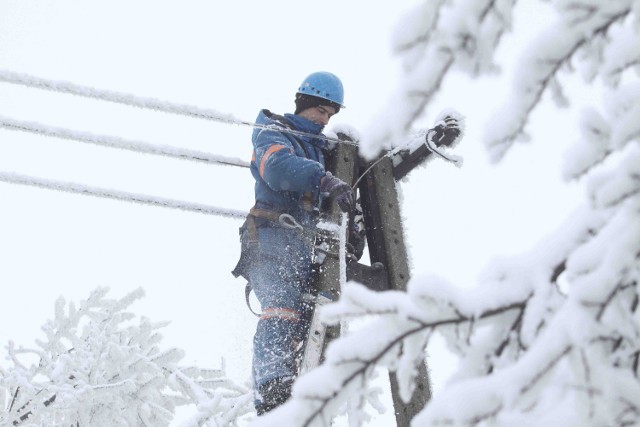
(343, 249)
(70, 187)
(119, 143)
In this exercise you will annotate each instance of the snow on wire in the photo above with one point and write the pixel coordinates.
(70, 187)
(143, 102)
(119, 143)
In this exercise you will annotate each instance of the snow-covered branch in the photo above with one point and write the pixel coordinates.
(402, 329)
(524, 346)
(550, 337)
(96, 366)
(434, 38)
(583, 27)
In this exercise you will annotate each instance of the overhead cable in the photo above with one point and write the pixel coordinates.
(117, 142)
(146, 103)
(71, 187)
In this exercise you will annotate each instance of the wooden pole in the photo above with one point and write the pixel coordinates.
(385, 238)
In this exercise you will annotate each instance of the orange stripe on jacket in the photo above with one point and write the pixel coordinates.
(273, 149)
(280, 313)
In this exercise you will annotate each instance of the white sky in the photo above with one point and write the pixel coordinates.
(234, 57)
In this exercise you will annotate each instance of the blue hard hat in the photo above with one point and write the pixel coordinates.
(325, 85)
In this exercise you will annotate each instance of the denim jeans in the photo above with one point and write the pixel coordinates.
(280, 275)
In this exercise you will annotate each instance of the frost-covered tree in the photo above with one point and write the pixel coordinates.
(551, 337)
(99, 365)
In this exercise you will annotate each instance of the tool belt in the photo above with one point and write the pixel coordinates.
(250, 243)
(249, 240)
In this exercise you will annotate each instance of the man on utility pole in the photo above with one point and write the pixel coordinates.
(278, 236)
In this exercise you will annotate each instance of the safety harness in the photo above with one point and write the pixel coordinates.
(250, 241)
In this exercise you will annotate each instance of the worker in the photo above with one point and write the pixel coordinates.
(291, 183)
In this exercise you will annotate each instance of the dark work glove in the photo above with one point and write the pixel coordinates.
(446, 133)
(339, 191)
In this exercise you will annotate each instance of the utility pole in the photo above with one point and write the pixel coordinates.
(388, 270)
(385, 239)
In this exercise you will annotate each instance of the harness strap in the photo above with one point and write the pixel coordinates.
(284, 220)
(252, 232)
(251, 223)
(247, 292)
(264, 213)
(281, 313)
(307, 201)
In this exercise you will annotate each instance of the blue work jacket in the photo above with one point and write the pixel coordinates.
(287, 168)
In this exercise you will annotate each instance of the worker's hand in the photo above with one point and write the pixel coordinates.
(338, 190)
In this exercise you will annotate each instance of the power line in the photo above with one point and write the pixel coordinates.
(117, 142)
(71, 187)
(146, 103)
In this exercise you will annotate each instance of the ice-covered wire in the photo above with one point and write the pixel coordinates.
(71, 187)
(372, 165)
(120, 143)
(146, 103)
(355, 185)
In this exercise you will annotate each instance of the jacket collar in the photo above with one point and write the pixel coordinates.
(304, 125)
(294, 122)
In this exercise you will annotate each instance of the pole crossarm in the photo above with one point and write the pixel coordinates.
(405, 161)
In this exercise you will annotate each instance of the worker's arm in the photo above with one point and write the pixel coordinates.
(280, 168)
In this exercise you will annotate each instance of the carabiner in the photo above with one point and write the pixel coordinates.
(287, 221)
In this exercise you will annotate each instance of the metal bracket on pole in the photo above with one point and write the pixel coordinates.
(373, 277)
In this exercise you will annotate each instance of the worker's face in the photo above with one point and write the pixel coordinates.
(319, 115)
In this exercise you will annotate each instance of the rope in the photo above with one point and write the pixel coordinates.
(70, 187)
(146, 103)
(119, 143)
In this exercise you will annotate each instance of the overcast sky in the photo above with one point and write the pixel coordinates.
(234, 57)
